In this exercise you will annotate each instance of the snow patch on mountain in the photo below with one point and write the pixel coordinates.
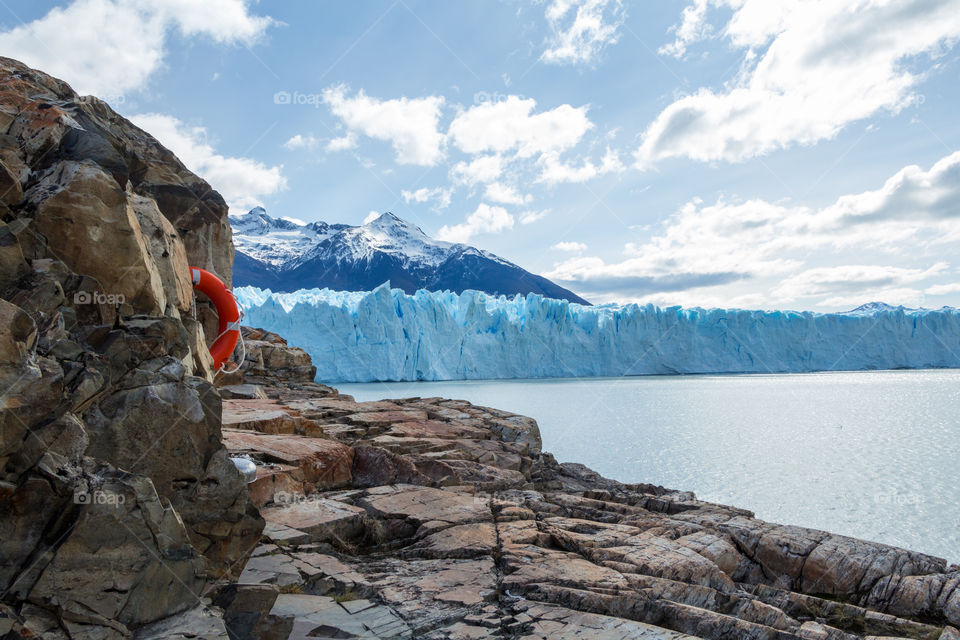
(276, 241)
(287, 254)
(287, 243)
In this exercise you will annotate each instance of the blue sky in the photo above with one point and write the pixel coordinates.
(742, 153)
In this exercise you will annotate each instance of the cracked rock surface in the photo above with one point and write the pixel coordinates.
(434, 518)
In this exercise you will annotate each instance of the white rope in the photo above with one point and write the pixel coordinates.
(243, 345)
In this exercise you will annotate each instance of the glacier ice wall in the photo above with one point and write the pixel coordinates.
(388, 335)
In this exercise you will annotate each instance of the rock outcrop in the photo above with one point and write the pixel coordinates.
(119, 506)
(437, 519)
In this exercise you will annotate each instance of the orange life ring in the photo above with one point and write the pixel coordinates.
(229, 315)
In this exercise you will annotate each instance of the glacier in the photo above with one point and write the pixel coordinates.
(388, 335)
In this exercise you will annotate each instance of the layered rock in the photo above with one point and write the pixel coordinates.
(119, 506)
(268, 358)
(450, 522)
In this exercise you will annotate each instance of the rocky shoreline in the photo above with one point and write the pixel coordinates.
(434, 518)
(122, 516)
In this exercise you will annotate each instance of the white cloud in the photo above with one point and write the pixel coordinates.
(241, 181)
(502, 142)
(723, 243)
(373, 215)
(409, 124)
(505, 194)
(343, 143)
(809, 69)
(301, 142)
(423, 194)
(509, 125)
(529, 217)
(849, 279)
(479, 170)
(943, 289)
(569, 246)
(692, 27)
(554, 171)
(581, 29)
(112, 47)
(310, 142)
(486, 219)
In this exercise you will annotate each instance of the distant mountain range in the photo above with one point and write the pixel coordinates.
(286, 255)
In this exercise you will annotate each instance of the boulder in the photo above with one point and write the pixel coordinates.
(170, 431)
(80, 207)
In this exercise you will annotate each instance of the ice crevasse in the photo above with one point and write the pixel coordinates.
(386, 334)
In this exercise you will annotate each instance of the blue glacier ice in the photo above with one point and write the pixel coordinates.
(386, 334)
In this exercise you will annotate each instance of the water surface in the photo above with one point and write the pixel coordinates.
(872, 454)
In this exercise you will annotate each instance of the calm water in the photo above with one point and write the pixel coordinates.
(874, 454)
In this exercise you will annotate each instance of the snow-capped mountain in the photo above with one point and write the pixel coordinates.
(284, 254)
(871, 308)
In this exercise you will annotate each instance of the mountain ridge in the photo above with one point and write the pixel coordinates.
(285, 255)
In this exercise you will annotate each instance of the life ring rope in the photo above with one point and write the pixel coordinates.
(229, 314)
(243, 345)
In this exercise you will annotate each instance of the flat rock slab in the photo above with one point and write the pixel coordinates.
(461, 541)
(243, 391)
(276, 568)
(325, 464)
(281, 534)
(425, 505)
(419, 588)
(323, 520)
(549, 623)
(386, 417)
(437, 429)
(264, 416)
(323, 617)
(324, 408)
(199, 622)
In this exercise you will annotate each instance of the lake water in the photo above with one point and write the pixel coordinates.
(873, 454)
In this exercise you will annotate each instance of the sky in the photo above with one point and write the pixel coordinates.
(794, 154)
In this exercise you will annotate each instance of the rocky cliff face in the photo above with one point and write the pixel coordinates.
(119, 505)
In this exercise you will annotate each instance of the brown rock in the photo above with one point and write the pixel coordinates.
(463, 541)
(323, 520)
(325, 464)
(121, 534)
(165, 425)
(263, 416)
(420, 505)
(273, 479)
(167, 250)
(79, 207)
